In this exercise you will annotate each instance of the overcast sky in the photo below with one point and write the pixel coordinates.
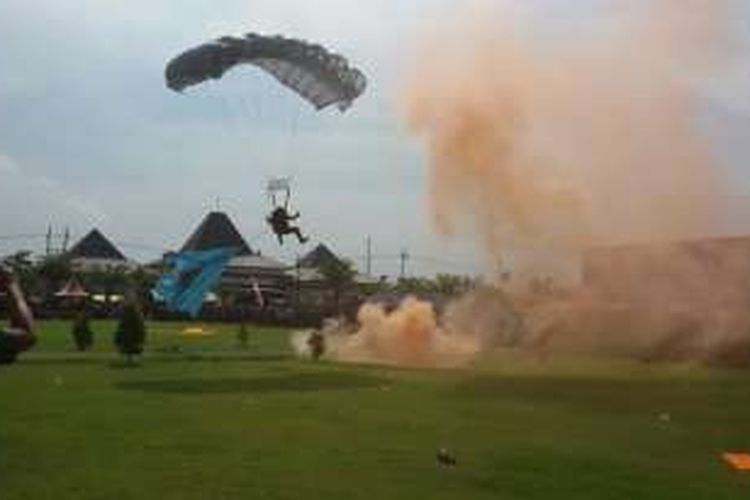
(90, 136)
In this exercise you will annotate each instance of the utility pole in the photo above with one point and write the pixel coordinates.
(48, 241)
(66, 238)
(404, 257)
(297, 289)
(368, 256)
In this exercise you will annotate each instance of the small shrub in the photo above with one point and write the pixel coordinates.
(82, 334)
(131, 332)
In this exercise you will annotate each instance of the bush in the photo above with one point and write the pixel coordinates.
(82, 334)
(131, 332)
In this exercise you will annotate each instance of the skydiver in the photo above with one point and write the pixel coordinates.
(317, 344)
(19, 336)
(279, 221)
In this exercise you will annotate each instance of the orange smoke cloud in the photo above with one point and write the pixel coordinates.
(407, 336)
(540, 149)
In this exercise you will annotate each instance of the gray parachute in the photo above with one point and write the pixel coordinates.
(321, 77)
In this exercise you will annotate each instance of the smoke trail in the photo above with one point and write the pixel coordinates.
(539, 149)
(408, 336)
(415, 335)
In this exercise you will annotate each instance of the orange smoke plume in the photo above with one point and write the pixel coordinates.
(407, 336)
(540, 149)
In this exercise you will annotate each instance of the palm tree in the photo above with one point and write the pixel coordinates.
(339, 275)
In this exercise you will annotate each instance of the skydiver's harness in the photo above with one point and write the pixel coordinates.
(279, 217)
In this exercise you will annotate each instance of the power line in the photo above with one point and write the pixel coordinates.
(11, 237)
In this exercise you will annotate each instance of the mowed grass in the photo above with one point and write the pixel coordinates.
(202, 419)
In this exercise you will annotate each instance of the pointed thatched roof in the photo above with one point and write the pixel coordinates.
(318, 257)
(216, 230)
(73, 289)
(96, 246)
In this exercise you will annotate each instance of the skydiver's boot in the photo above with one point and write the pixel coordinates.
(302, 239)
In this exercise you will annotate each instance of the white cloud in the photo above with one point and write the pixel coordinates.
(29, 199)
(8, 166)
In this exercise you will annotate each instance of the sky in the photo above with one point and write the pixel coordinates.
(91, 137)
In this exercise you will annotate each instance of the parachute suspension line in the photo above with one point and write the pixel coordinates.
(279, 185)
(286, 200)
(319, 76)
(290, 165)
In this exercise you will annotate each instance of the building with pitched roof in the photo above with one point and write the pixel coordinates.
(318, 257)
(247, 270)
(95, 252)
(313, 290)
(216, 230)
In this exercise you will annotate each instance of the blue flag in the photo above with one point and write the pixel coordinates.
(191, 277)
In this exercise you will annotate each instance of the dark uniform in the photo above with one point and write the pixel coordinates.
(317, 343)
(279, 221)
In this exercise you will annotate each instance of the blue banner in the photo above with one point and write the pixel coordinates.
(193, 274)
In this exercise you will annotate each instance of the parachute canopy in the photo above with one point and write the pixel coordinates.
(321, 77)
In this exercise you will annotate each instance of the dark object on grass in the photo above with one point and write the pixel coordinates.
(131, 332)
(445, 458)
(82, 334)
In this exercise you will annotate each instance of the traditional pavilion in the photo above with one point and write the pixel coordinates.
(94, 252)
(247, 271)
(315, 292)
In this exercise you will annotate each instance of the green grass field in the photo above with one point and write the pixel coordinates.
(202, 419)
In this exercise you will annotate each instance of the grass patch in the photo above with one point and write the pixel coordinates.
(208, 420)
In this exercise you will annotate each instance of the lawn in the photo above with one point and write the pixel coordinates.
(201, 418)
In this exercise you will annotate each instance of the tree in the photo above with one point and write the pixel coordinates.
(23, 267)
(82, 334)
(130, 335)
(338, 274)
(54, 271)
(452, 284)
(140, 283)
(443, 284)
(108, 280)
(415, 286)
